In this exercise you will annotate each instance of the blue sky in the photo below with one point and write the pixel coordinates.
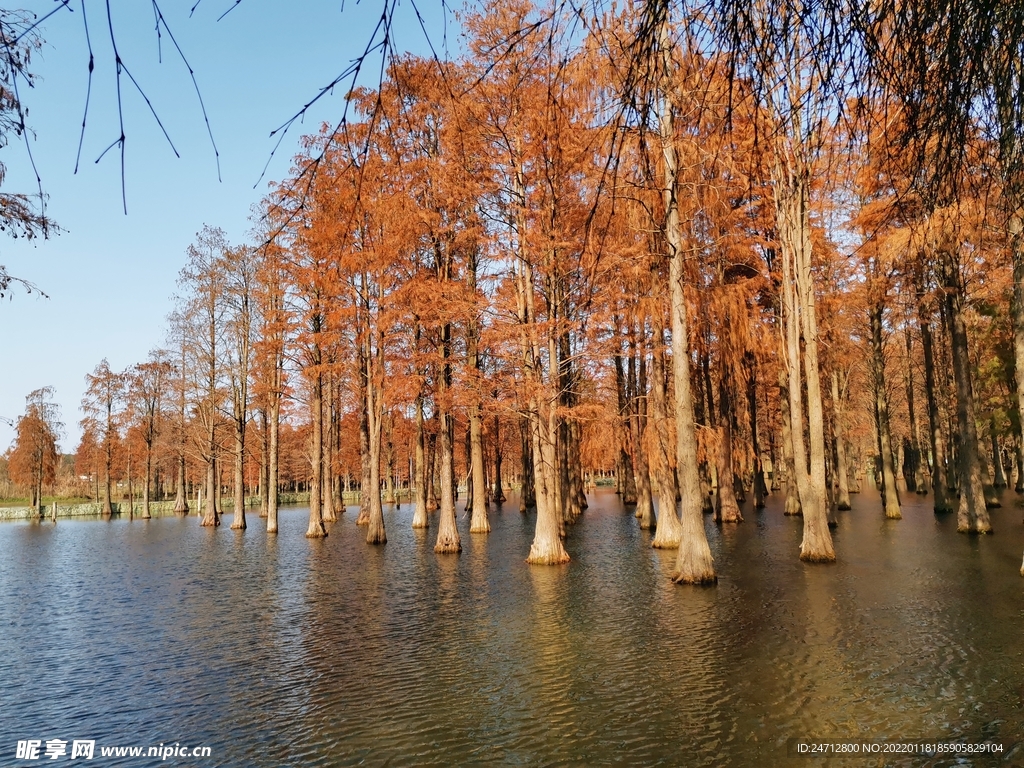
(110, 277)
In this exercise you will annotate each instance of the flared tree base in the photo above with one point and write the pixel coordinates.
(817, 554)
(363, 518)
(668, 531)
(316, 531)
(979, 528)
(480, 526)
(817, 557)
(694, 565)
(448, 547)
(210, 522)
(695, 579)
(548, 559)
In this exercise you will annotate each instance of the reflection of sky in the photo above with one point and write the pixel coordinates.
(327, 652)
(110, 276)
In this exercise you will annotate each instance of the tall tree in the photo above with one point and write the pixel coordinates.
(33, 459)
(102, 405)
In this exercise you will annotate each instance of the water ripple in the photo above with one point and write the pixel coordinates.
(285, 651)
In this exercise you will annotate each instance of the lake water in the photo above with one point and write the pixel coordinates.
(289, 652)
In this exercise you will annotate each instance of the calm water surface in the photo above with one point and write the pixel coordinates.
(288, 652)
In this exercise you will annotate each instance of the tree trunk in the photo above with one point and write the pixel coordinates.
(627, 479)
(801, 324)
(792, 506)
(838, 427)
(917, 466)
(146, 485)
(694, 564)
(273, 448)
(370, 496)
(546, 548)
(935, 439)
(998, 476)
(669, 530)
(972, 515)
(419, 516)
(131, 495)
(760, 488)
(365, 490)
(238, 522)
(180, 498)
(448, 541)
(478, 520)
(211, 516)
(316, 529)
(728, 508)
(264, 462)
(636, 393)
(890, 493)
(499, 492)
(1015, 229)
(327, 473)
(528, 492)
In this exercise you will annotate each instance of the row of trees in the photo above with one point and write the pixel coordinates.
(688, 252)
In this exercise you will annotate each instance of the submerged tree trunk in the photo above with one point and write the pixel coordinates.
(375, 533)
(760, 488)
(972, 515)
(180, 497)
(211, 518)
(694, 564)
(728, 507)
(637, 425)
(499, 492)
(448, 541)
(238, 521)
(669, 530)
(273, 452)
(327, 457)
(264, 480)
(365, 491)
(419, 516)
(917, 466)
(792, 506)
(527, 493)
(935, 438)
(838, 426)
(626, 476)
(146, 483)
(316, 528)
(998, 476)
(890, 493)
(801, 325)
(478, 520)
